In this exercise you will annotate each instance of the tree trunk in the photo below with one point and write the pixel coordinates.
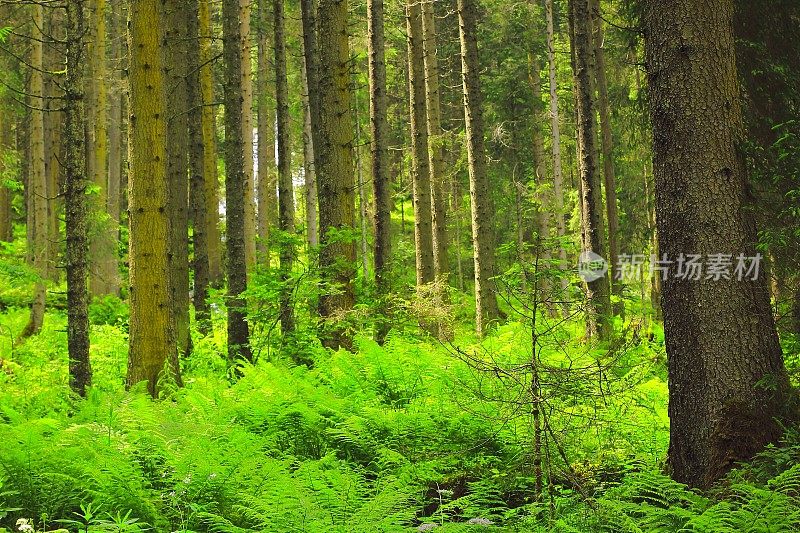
(285, 188)
(76, 208)
(174, 48)
(103, 250)
(6, 222)
(153, 350)
(200, 210)
(558, 176)
(335, 183)
(421, 179)
(381, 181)
(115, 143)
(597, 294)
(235, 186)
(210, 177)
(728, 386)
(362, 192)
(247, 135)
(607, 148)
(37, 178)
(435, 146)
(265, 197)
(486, 310)
(53, 121)
(309, 174)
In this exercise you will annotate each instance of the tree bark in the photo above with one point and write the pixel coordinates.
(210, 177)
(607, 148)
(421, 179)
(435, 145)
(6, 221)
(76, 208)
(335, 184)
(235, 186)
(115, 138)
(266, 196)
(37, 179)
(174, 49)
(728, 385)
(285, 187)
(597, 294)
(200, 210)
(381, 181)
(486, 310)
(247, 135)
(309, 173)
(153, 352)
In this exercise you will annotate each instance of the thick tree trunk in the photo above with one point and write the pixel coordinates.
(435, 146)
(381, 181)
(598, 291)
(728, 385)
(197, 200)
(76, 208)
(247, 135)
(153, 352)
(334, 151)
(285, 188)
(266, 198)
(37, 179)
(235, 186)
(607, 148)
(309, 173)
(555, 125)
(210, 177)
(174, 48)
(421, 180)
(486, 309)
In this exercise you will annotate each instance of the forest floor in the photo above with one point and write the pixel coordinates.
(415, 435)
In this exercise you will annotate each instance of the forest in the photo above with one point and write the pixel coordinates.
(360, 266)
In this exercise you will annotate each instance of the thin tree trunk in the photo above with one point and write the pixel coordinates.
(334, 151)
(435, 146)
(729, 390)
(6, 222)
(197, 188)
(607, 147)
(309, 174)
(421, 181)
(152, 353)
(115, 134)
(235, 185)
(266, 196)
(174, 48)
(285, 187)
(598, 294)
(37, 178)
(381, 181)
(558, 177)
(247, 135)
(75, 204)
(362, 193)
(53, 121)
(486, 310)
(210, 177)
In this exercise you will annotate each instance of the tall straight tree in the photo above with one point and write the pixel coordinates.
(381, 182)
(598, 291)
(200, 210)
(435, 144)
(174, 48)
(152, 348)
(607, 148)
(247, 133)
(235, 185)
(728, 385)
(116, 126)
(210, 177)
(285, 188)
(486, 309)
(309, 172)
(37, 178)
(421, 180)
(265, 194)
(558, 176)
(335, 181)
(75, 206)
